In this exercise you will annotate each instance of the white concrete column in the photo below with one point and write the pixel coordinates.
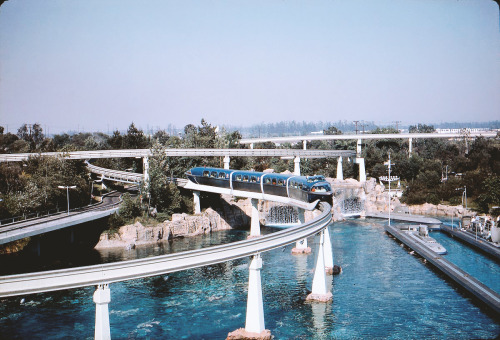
(196, 201)
(362, 172)
(304, 144)
(319, 279)
(296, 166)
(251, 145)
(358, 148)
(102, 297)
(226, 162)
(410, 146)
(301, 246)
(145, 170)
(340, 173)
(255, 307)
(255, 222)
(103, 186)
(328, 252)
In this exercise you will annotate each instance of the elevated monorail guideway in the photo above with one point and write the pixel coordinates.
(39, 282)
(141, 153)
(19, 230)
(103, 275)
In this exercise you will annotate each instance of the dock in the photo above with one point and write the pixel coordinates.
(470, 239)
(405, 218)
(462, 278)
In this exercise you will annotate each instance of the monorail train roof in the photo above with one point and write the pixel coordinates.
(249, 172)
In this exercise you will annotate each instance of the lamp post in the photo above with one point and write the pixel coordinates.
(92, 188)
(389, 179)
(464, 194)
(67, 191)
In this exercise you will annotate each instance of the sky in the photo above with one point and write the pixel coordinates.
(99, 65)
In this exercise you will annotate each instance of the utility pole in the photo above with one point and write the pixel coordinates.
(356, 122)
(397, 124)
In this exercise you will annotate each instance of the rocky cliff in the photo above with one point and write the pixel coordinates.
(230, 213)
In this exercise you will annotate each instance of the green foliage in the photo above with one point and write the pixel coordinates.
(421, 128)
(32, 185)
(130, 207)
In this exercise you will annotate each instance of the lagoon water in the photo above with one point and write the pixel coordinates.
(384, 292)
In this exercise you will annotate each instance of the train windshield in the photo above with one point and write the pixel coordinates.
(321, 188)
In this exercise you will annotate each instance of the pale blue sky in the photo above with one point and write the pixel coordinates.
(100, 65)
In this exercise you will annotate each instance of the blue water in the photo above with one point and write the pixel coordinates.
(383, 292)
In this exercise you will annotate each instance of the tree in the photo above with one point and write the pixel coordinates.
(134, 139)
(32, 134)
(421, 128)
(164, 195)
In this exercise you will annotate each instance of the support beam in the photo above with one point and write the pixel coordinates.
(340, 173)
(102, 297)
(196, 201)
(251, 145)
(255, 222)
(254, 323)
(296, 166)
(328, 252)
(255, 307)
(301, 246)
(358, 148)
(304, 144)
(226, 162)
(145, 169)
(319, 289)
(410, 146)
(362, 172)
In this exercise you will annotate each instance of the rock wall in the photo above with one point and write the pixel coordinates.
(377, 200)
(231, 213)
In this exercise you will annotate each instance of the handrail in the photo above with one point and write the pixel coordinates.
(31, 283)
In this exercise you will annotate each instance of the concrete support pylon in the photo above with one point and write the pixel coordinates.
(254, 324)
(145, 170)
(255, 307)
(226, 162)
(102, 297)
(410, 146)
(328, 251)
(304, 144)
(358, 148)
(255, 222)
(362, 172)
(296, 166)
(196, 201)
(301, 246)
(319, 288)
(340, 172)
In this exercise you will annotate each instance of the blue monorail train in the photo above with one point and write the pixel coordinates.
(302, 188)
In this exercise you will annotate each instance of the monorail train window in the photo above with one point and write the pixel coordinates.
(280, 182)
(222, 175)
(267, 181)
(245, 178)
(238, 177)
(213, 174)
(253, 179)
(274, 181)
(206, 173)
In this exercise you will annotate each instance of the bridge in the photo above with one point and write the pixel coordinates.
(103, 275)
(360, 137)
(295, 154)
(19, 230)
